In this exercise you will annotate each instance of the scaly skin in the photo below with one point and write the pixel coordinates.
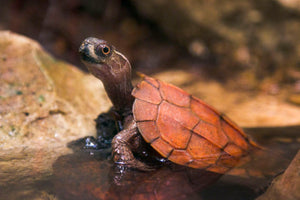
(114, 70)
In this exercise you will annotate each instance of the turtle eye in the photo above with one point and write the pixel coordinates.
(103, 50)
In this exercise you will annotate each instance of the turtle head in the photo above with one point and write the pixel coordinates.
(111, 67)
(103, 60)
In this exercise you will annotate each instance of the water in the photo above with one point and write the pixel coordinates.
(81, 175)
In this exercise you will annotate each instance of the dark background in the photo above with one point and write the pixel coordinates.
(258, 40)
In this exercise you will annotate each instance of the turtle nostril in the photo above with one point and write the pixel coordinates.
(84, 52)
(82, 48)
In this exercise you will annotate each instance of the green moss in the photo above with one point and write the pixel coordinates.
(12, 128)
(19, 92)
(13, 131)
(41, 98)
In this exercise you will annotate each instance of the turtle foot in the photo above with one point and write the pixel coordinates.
(135, 164)
(96, 144)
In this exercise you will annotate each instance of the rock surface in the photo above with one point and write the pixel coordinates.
(287, 185)
(44, 104)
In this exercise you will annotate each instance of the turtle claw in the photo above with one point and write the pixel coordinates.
(135, 164)
(92, 143)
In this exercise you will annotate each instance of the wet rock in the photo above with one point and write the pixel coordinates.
(261, 36)
(44, 104)
(287, 185)
(80, 176)
(77, 176)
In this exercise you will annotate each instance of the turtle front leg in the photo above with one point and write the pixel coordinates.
(107, 125)
(122, 145)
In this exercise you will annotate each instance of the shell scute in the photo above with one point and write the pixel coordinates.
(200, 148)
(234, 150)
(185, 129)
(234, 135)
(204, 111)
(227, 160)
(174, 95)
(162, 147)
(152, 81)
(181, 157)
(171, 130)
(144, 111)
(198, 164)
(211, 133)
(147, 92)
(149, 130)
(182, 116)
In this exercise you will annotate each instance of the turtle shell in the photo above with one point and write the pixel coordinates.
(186, 130)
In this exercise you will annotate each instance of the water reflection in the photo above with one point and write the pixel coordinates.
(84, 176)
(81, 175)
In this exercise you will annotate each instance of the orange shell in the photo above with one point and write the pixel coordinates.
(186, 130)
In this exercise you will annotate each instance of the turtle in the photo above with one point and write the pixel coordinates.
(182, 128)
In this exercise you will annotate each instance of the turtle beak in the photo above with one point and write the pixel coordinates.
(84, 51)
(82, 48)
(87, 51)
